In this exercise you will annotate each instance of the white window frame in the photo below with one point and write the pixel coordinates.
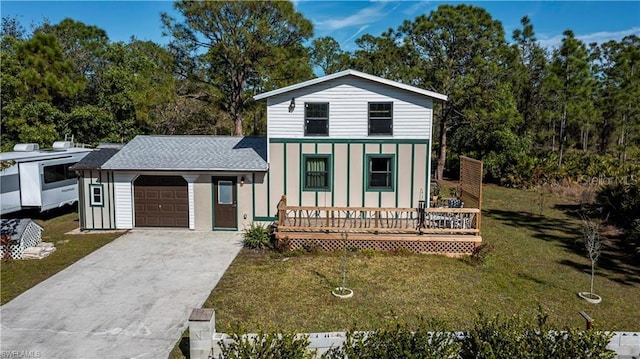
(92, 194)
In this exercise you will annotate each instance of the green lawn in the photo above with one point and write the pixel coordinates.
(537, 259)
(20, 275)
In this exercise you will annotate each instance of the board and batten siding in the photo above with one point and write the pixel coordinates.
(97, 217)
(347, 174)
(348, 99)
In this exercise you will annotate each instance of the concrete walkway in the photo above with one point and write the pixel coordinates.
(129, 299)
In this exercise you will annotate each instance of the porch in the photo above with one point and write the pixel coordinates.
(440, 230)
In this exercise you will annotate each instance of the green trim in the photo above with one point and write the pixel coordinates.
(299, 173)
(268, 183)
(81, 209)
(234, 181)
(265, 219)
(413, 157)
(397, 172)
(348, 173)
(213, 203)
(427, 170)
(225, 229)
(333, 170)
(93, 221)
(367, 169)
(347, 140)
(303, 177)
(315, 150)
(113, 199)
(364, 174)
(379, 192)
(253, 195)
(284, 165)
(103, 200)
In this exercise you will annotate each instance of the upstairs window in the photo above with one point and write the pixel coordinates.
(380, 118)
(316, 172)
(316, 119)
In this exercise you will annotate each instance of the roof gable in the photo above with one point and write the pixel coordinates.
(434, 95)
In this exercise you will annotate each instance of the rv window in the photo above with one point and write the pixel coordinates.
(57, 173)
(95, 191)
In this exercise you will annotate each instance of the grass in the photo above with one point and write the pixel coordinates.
(538, 259)
(20, 275)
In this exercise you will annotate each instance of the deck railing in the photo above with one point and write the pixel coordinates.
(378, 220)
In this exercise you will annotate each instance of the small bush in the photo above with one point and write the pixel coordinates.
(620, 203)
(517, 337)
(257, 236)
(496, 337)
(266, 346)
(427, 340)
(479, 254)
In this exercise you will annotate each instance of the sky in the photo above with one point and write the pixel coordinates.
(346, 21)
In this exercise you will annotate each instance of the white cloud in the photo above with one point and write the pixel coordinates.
(361, 29)
(364, 16)
(599, 37)
(418, 8)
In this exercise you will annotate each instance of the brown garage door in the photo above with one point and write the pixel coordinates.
(161, 201)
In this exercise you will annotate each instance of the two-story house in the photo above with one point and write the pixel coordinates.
(347, 140)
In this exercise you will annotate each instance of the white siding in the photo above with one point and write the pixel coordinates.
(348, 99)
(192, 199)
(124, 200)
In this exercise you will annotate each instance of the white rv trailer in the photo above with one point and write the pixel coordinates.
(38, 178)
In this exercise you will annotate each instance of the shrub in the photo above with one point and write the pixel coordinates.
(427, 340)
(496, 337)
(517, 337)
(266, 346)
(620, 202)
(257, 236)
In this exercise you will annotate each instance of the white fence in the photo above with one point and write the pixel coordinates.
(205, 343)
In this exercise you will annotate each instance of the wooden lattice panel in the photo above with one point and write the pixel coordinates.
(415, 246)
(471, 182)
(26, 234)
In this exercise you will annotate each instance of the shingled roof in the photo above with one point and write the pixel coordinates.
(192, 153)
(95, 159)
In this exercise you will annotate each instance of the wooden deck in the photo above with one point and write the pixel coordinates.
(451, 231)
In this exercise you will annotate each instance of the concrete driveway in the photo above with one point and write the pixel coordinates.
(129, 299)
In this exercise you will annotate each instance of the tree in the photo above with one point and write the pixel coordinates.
(528, 74)
(571, 81)
(383, 56)
(84, 45)
(328, 56)
(460, 51)
(619, 88)
(38, 88)
(233, 46)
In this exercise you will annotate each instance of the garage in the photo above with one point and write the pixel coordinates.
(161, 201)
